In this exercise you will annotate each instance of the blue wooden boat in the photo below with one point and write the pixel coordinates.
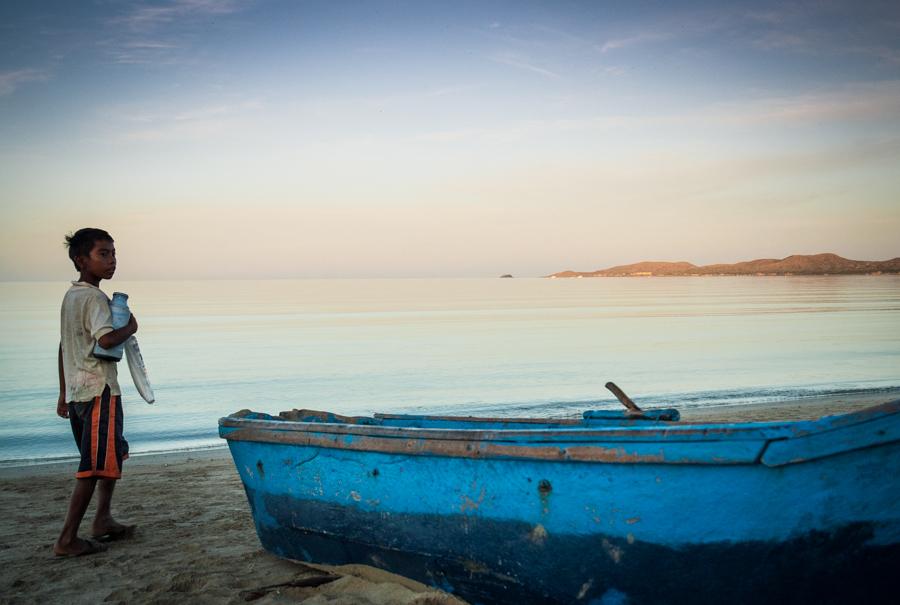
(631, 507)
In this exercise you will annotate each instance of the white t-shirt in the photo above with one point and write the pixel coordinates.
(85, 318)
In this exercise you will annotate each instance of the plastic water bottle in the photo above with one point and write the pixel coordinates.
(120, 316)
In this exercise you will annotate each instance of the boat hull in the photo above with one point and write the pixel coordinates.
(518, 529)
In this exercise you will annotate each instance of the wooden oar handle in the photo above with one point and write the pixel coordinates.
(621, 396)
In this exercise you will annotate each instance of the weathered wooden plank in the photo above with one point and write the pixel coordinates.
(879, 430)
(668, 432)
(633, 452)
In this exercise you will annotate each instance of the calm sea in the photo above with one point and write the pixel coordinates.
(537, 347)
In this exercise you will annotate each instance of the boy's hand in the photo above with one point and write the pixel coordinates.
(118, 336)
(62, 409)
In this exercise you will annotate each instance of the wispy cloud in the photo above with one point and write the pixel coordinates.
(867, 101)
(10, 81)
(142, 51)
(154, 45)
(140, 124)
(641, 38)
(521, 63)
(614, 70)
(143, 17)
(145, 34)
(881, 52)
(445, 91)
(861, 102)
(808, 28)
(527, 130)
(355, 104)
(780, 40)
(767, 16)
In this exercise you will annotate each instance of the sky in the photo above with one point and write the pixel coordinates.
(289, 139)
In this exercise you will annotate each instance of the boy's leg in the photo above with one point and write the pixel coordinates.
(97, 428)
(104, 524)
(104, 500)
(68, 542)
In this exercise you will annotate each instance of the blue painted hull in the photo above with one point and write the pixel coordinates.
(658, 513)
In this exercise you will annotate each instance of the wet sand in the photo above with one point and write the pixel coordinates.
(802, 409)
(196, 541)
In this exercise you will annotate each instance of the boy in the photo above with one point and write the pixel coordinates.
(89, 393)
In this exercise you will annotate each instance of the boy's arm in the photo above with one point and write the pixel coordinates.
(62, 410)
(117, 337)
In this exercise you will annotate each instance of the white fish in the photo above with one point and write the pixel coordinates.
(138, 369)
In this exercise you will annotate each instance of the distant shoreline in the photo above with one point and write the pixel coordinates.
(582, 274)
(795, 265)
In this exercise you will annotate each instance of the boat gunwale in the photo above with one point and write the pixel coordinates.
(635, 434)
(668, 432)
(695, 444)
(697, 452)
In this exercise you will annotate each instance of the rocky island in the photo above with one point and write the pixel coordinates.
(797, 264)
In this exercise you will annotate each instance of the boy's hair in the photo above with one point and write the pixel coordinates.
(82, 242)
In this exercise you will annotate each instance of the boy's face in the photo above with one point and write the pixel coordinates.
(101, 262)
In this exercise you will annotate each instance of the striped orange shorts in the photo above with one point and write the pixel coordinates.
(97, 427)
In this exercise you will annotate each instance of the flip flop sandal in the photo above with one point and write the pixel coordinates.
(120, 534)
(92, 547)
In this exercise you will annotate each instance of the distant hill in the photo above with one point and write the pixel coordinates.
(797, 264)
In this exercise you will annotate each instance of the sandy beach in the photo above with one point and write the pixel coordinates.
(196, 541)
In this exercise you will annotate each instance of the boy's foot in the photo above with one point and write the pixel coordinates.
(110, 532)
(79, 548)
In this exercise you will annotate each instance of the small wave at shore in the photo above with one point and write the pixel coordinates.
(682, 401)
